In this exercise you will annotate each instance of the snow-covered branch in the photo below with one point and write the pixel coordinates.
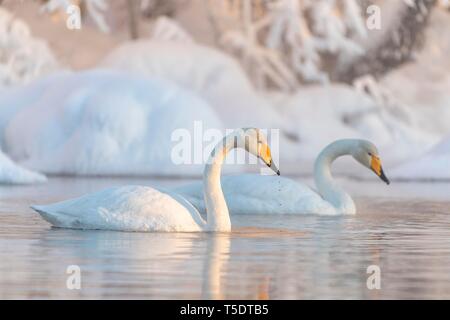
(22, 57)
(283, 43)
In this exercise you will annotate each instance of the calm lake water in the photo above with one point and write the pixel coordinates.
(404, 229)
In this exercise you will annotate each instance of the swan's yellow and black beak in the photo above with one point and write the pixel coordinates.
(266, 156)
(378, 169)
(272, 166)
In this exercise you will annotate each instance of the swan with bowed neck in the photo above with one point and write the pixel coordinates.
(139, 208)
(257, 194)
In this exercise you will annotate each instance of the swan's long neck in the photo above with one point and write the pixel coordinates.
(218, 217)
(325, 183)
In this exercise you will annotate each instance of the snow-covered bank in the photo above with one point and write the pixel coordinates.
(322, 114)
(100, 122)
(121, 122)
(422, 89)
(309, 119)
(213, 75)
(433, 165)
(104, 122)
(11, 173)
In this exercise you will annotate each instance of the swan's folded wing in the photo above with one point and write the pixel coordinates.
(258, 194)
(128, 208)
(193, 193)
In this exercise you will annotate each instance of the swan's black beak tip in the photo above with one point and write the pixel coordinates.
(274, 168)
(384, 178)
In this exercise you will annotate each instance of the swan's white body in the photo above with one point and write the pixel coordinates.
(258, 194)
(255, 194)
(127, 208)
(138, 208)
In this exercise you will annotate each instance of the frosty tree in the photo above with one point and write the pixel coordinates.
(284, 43)
(22, 57)
(402, 34)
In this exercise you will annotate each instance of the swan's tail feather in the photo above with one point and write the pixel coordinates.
(46, 215)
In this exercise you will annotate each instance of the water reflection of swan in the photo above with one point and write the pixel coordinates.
(254, 194)
(216, 258)
(125, 263)
(138, 208)
(121, 264)
(218, 251)
(115, 264)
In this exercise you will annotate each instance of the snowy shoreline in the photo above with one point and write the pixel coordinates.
(118, 119)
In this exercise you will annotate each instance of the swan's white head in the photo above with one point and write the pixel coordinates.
(367, 154)
(254, 141)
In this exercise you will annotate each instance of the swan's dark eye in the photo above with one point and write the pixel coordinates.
(370, 154)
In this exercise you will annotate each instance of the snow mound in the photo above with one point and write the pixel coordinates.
(321, 114)
(213, 75)
(11, 173)
(433, 165)
(100, 122)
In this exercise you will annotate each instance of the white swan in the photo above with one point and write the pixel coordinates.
(256, 194)
(138, 208)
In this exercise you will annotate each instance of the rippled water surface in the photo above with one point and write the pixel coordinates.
(404, 229)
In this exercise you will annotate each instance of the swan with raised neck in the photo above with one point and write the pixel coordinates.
(218, 217)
